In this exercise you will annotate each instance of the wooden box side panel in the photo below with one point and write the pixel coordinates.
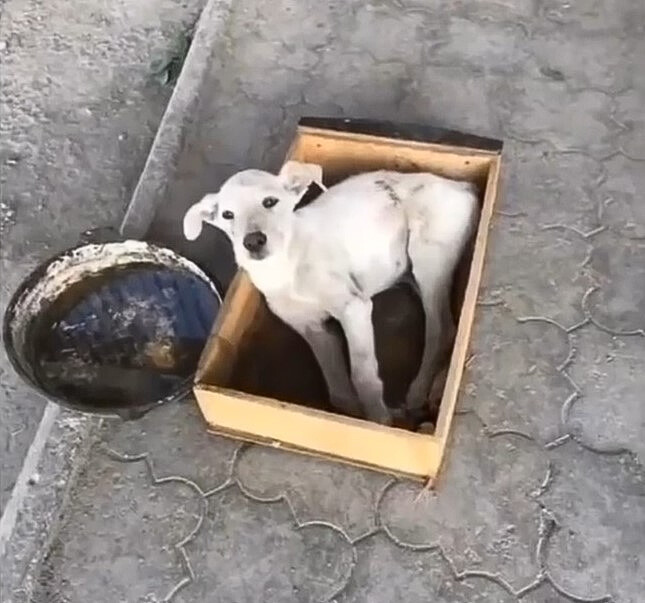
(237, 314)
(352, 440)
(343, 155)
(468, 308)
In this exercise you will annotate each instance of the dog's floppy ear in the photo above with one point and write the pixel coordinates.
(297, 176)
(204, 211)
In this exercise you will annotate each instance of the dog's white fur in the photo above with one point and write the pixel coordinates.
(329, 258)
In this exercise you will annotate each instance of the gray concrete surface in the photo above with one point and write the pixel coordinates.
(543, 495)
(79, 111)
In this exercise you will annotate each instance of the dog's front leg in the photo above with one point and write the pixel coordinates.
(356, 320)
(328, 350)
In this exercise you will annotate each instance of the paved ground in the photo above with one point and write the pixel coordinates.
(543, 495)
(79, 110)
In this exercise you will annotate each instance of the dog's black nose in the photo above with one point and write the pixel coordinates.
(254, 241)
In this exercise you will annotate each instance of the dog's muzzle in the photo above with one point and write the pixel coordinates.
(254, 242)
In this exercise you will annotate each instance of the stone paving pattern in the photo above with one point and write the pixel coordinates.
(542, 498)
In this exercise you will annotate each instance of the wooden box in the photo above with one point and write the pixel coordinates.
(239, 385)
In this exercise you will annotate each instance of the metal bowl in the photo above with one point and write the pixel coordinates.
(112, 328)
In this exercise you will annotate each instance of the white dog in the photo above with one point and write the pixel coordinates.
(329, 258)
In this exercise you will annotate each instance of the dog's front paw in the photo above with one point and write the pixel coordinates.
(348, 405)
(379, 413)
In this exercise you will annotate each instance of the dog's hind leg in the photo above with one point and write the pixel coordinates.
(441, 221)
(356, 320)
(433, 274)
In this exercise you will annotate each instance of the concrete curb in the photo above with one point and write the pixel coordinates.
(164, 153)
(60, 447)
(34, 510)
(26, 477)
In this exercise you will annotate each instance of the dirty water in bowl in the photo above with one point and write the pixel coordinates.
(126, 335)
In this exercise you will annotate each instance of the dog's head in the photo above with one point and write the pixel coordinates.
(255, 209)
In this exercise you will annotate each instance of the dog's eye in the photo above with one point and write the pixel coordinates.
(228, 214)
(269, 202)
